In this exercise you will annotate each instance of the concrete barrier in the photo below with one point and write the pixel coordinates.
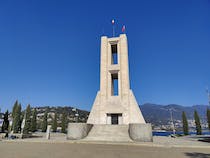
(78, 130)
(141, 132)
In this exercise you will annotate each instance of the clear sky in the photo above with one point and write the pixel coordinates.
(50, 50)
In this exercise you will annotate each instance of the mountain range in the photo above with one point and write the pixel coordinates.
(153, 113)
(160, 114)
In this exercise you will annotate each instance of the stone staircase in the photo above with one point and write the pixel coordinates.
(117, 133)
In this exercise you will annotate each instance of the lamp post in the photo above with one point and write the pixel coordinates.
(172, 122)
(208, 95)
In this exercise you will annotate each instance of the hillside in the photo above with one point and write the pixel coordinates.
(156, 114)
(160, 114)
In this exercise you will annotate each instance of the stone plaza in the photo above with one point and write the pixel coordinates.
(58, 146)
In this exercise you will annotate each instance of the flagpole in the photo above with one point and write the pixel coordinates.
(113, 30)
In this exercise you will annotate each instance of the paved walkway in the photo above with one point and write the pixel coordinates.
(15, 149)
(158, 141)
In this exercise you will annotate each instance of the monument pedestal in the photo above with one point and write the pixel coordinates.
(141, 132)
(78, 130)
(110, 133)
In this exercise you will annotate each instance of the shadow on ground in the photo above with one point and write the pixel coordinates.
(204, 139)
(198, 155)
(36, 136)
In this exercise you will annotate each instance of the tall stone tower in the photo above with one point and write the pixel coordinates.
(115, 103)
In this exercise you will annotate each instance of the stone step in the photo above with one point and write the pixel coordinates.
(109, 133)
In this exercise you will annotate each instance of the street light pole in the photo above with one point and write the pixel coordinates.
(172, 122)
(208, 94)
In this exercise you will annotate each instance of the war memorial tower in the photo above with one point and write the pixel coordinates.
(115, 102)
(115, 115)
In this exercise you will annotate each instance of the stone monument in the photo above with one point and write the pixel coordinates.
(115, 115)
(115, 102)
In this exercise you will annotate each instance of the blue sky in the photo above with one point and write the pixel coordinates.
(50, 50)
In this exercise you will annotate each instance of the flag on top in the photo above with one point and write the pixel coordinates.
(112, 21)
(123, 29)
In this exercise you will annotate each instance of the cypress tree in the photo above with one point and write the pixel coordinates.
(185, 124)
(33, 121)
(17, 119)
(44, 122)
(208, 118)
(21, 117)
(27, 126)
(197, 123)
(5, 125)
(14, 108)
(54, 124)
(13, 113)
(63, 122)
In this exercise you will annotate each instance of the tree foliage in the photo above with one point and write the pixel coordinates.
(208, 118)
(5, 125)
(16, 126)
(64, 123)
(185, 124)
(197, 123)
(34, 121)
(54, 123)
(13, 113)
(14, 108)
(27, 118)
(44, 122)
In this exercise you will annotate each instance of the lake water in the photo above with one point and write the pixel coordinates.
(170, 132)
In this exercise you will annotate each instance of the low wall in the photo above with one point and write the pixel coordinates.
(22, 136)
(141, 132)
(78, 130)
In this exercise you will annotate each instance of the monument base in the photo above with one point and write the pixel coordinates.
(113, 133)
(141, 132)
(78, 131)
(23, 136)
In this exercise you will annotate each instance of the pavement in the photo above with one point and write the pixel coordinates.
(158, 141)
(15, 149)
(58, 147)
